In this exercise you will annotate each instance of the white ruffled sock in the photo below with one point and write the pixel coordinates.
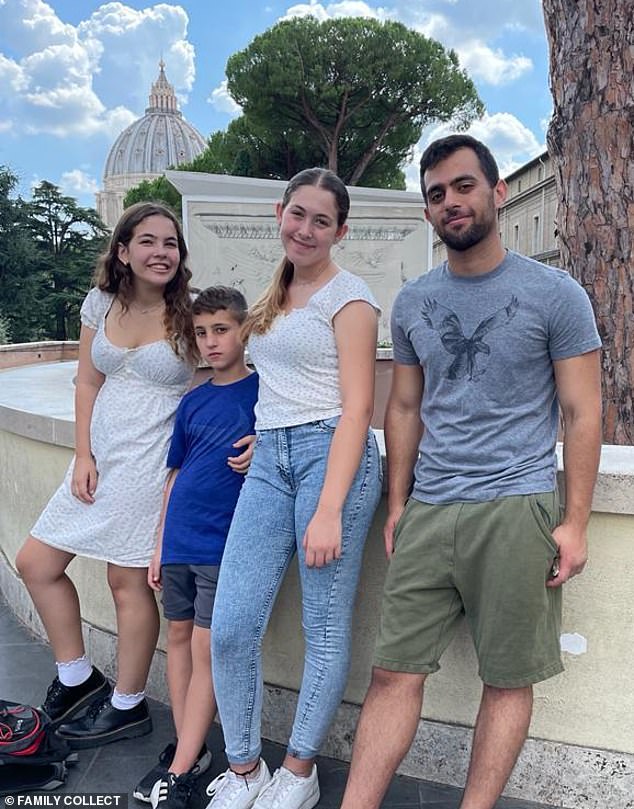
(124, 702)
(74, 672)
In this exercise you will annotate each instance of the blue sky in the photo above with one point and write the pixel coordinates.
(74, 74)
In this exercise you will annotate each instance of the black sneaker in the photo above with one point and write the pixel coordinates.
(103, 723)
(202, 763)
(65, 701)
(143, 790)
(173, 791)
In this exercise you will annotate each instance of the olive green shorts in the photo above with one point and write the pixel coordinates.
(489, 561)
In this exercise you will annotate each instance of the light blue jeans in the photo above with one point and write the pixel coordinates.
(277, 501)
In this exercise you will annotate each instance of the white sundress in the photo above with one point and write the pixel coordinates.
(130, 431)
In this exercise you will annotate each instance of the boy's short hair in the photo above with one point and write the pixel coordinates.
(220, 297)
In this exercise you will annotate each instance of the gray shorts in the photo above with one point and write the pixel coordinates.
(189, 592)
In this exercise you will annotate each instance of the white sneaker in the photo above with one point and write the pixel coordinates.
(286, 790)
(231, 791)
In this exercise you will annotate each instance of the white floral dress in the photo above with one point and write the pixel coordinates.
(130, 430)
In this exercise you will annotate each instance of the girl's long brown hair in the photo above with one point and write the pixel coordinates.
(271, 303)
(112, 275)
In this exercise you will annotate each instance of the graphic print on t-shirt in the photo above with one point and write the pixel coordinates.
(467, 364)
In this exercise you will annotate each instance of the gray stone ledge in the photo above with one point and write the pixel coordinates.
(44, 412)
(547, 772)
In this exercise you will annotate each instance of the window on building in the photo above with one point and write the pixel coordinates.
(516, 237)
(536, 240)
(519, 186)
(540, 172)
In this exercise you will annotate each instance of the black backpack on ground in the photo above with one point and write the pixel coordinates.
(32, 757)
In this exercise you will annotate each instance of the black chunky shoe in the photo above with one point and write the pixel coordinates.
(63, 702)
(103, 723)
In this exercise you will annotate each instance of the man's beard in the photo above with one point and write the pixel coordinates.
(466, 238)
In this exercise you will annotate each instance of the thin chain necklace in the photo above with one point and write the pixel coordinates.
(148, 309)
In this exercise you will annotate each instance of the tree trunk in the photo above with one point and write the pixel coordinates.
(590, 140)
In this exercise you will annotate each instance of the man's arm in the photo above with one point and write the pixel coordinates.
(578, 381)
(403, 431)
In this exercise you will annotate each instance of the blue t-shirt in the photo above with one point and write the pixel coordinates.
(210, 418)
(486, 345)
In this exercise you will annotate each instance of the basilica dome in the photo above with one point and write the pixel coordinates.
(161, 139)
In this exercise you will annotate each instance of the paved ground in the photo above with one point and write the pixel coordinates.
(26, 669)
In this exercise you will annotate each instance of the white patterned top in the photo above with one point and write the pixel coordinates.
(297, 358)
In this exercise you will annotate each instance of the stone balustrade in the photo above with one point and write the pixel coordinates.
(581, 747)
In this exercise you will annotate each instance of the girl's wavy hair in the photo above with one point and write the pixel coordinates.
(271, 303)
(112, 275)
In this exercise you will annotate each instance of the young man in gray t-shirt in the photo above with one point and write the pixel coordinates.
(488, 347)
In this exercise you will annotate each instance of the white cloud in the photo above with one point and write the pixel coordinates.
(347, 8)
(130, 43)
(30, 25)
(222, 101)
(93, 79)
(476, 19)
(12, 78)
(466, 28)
(491, 66)
(78, 182)
(511, 143)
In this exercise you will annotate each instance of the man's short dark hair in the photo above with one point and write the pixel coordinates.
(214, 299)
(443, 148)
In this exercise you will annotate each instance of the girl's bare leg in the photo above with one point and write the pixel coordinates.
(43, 570)
(137, 626)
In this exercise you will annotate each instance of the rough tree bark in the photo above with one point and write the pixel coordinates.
(591, 142)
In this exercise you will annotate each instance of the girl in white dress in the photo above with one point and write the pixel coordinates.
(135, 363)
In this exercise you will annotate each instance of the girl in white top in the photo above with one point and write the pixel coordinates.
(312, 489)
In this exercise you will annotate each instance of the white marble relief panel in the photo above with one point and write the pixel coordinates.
(243, 250)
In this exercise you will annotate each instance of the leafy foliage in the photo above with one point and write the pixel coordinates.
(48, 250)
(159, 190)
(18, 272)
(352, 93)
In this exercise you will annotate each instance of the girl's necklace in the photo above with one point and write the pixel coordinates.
(147, 309)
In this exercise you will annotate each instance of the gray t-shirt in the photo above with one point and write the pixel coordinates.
(486, 345)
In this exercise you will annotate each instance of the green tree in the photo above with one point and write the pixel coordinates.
(67, 240)
(352, 94)
(19, 276)
(247, 149)
(158, 190)
(5, 330)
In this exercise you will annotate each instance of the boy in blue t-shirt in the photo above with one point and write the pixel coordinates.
(212, 422)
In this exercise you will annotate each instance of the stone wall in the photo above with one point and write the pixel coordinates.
(581, 747)
(232, 235)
